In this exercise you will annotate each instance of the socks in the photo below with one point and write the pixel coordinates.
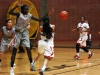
(43, 68)
(33, 62)
(89, 52)
(77, 54)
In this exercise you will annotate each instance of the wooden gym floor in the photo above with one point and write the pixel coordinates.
(62, 64)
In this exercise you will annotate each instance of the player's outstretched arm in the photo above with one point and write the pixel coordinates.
(53, 27)
(11, 12)
(51, 11)
(73, 30)
(40, 19)
(99, 32)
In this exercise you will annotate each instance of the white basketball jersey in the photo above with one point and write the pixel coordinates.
(51, 40)
(84, 27)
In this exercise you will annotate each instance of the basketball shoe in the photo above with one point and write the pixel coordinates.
(12, 71)
(32, 68)
(76, 57)
(41, 72)
(90, 55)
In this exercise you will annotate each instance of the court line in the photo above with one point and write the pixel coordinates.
(59, 71)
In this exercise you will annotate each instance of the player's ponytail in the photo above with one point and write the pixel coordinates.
(47, 30)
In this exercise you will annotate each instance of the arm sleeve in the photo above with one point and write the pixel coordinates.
(38, 19)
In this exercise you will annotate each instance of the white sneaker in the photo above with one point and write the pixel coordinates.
(12, 71)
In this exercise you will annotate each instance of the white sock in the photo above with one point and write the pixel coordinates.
(43, 68)
(77, 54)
(89, 52)
(33, 62)
(11, 67)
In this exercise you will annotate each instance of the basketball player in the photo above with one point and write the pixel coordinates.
(82, 28)
(46, 43)
(21, 31)
(7, 34)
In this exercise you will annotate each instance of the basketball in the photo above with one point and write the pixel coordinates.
(63, 15)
